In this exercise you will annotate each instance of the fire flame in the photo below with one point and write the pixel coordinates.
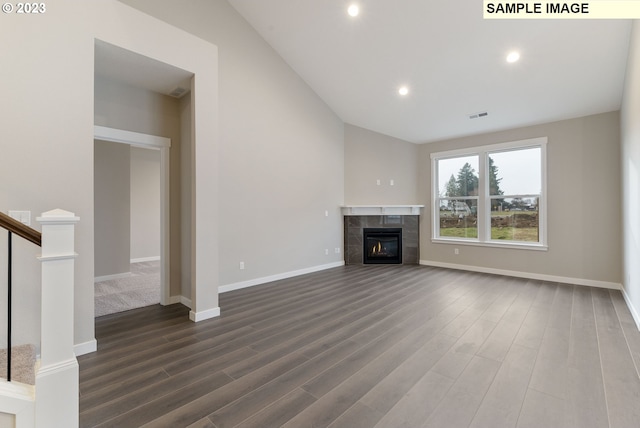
(377, 249)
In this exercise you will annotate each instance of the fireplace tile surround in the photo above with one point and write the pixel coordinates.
(353, 235)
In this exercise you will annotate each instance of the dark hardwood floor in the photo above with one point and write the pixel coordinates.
(372, 346)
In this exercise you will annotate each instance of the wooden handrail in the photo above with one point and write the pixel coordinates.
(22, 230)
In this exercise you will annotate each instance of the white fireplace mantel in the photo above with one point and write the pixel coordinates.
(381, 209)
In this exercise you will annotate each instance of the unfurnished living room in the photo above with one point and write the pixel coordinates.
(348, 214)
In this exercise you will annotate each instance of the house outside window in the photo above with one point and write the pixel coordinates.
(491, 195)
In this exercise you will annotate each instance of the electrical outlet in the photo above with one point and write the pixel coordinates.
(326, 213)
(391, 182)
(456, 251)
(241, 265)
(378, 181)
(337, 250)
(326, 251)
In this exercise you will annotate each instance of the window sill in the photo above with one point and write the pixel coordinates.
(491, 244)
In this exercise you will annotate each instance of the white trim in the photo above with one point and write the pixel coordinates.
(516, 245)
(484, 203)
(476, 150)
(58, 216)
(204, 315)
(174, 299)
(85, 348)
(18, 399)
(162, 144)
(277, 277)
(634, 312)
(145, 259)
(362, 210)
(527, 275)
(57, 392)
(137, 139)
(58, 257)
(56, 368)
(17, 390)
(179, 299)
(483, 198)
(57, 220)
(111, 277)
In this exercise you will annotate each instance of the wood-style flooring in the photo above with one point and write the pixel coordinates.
(372, 346)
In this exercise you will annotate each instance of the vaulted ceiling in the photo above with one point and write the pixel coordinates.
(452, 61)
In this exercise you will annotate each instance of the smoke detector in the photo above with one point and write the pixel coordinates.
(178, 92)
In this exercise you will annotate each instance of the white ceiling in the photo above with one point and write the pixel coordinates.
(452, 60)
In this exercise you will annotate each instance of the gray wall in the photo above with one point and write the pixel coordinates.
(54, 153)
(369, 157)
(121, 236)
(281, 153)
(134, 109)
(112, 208)
(186, 198)
(631, 176)
(584, 234)
(145, 203)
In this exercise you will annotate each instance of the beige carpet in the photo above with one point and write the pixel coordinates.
(23, 360)
(141, 289)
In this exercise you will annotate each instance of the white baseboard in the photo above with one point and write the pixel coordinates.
(271, 278)
(204, 315)
(110, 277)
(527, 275)
(179, 299)
(85, 348)
(185, 301)
(634, 312)
(145, 259)
(18, 399)
(175, 299)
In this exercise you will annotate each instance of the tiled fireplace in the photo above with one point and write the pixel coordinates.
(382, 222)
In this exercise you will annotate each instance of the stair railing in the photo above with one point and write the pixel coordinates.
(14, 227)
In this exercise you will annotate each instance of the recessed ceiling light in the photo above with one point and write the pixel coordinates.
(403, 90)
(353, 10)
(513, 56)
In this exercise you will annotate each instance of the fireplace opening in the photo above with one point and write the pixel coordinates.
(382, 246)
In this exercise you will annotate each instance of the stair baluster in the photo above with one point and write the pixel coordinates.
(9, 306)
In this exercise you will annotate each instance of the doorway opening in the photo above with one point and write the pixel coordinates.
(121, 160)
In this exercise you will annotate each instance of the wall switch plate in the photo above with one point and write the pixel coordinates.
(23, 217)
(326, 252)
(391, 183)
(241, 265)
(378, 181)
(326, 213)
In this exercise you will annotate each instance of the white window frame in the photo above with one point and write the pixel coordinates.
(484, 199)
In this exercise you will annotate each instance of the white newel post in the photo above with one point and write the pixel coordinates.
(57, 387)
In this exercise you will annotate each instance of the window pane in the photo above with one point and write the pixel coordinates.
(515, 172)
(458, 176)
(515, 219)
(458, 218)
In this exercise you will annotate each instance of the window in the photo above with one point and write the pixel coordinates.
(491, 195)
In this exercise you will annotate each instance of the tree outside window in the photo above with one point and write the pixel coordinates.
(491, 194)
